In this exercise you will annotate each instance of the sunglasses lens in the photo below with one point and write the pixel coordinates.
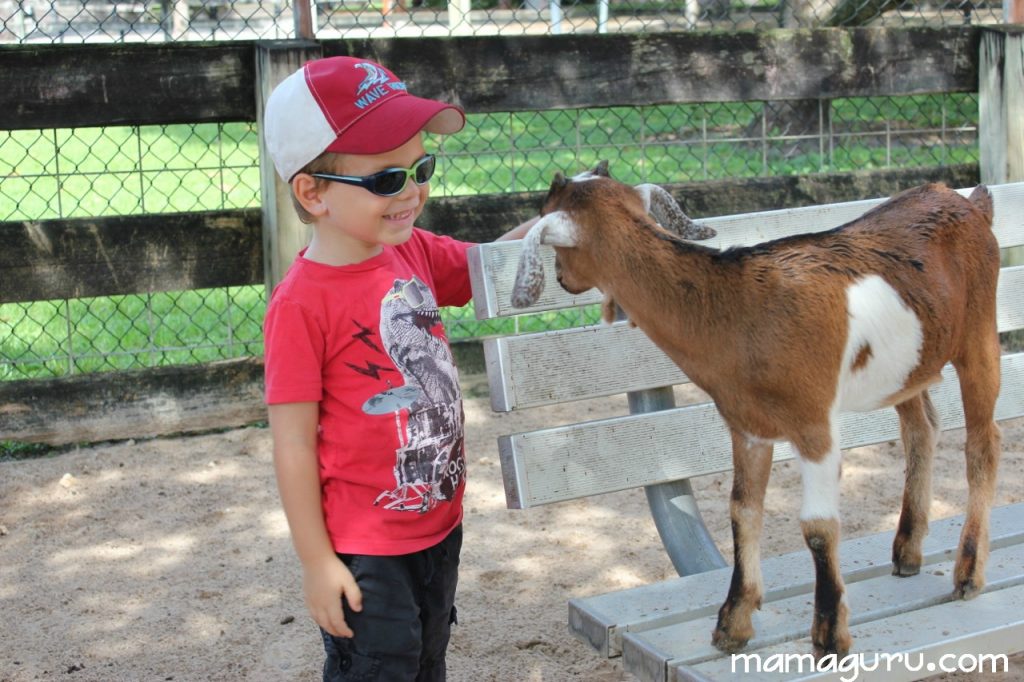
(412, 294)
(390, 182)
(425, 170)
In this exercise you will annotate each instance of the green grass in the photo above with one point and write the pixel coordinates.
(155, 169)
(56, 338)
(12, 451)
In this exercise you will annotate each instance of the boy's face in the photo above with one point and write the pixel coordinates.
(355, 223)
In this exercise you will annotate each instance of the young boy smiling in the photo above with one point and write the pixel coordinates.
(362, 391)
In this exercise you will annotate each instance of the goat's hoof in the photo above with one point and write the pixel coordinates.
(904, 569)
(831, 637)
(726, 643)
(967, 589)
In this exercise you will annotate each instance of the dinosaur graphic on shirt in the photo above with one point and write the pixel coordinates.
(430, 463)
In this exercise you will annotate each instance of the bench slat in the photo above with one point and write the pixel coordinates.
(650, 654)
(493, 266)
(568, 462)
(531, 370)
(992, 623)
(574, 364)
(604, 619)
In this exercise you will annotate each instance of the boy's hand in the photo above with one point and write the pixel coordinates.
(324, 585)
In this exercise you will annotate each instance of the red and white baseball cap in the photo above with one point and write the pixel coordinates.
(346, 105)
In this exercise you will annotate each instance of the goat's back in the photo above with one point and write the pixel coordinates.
(933, 248)
(928, 237)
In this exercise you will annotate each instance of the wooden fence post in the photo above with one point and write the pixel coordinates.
(283, 233)
(1000, 117)
(1013, 11)
(1001, 103)
(304, 16)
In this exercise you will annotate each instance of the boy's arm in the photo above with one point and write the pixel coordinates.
(325, 578)
(519, 231)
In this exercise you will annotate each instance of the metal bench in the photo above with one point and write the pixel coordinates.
(662, 631)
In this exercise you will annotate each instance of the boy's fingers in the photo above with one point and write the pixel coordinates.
(336, 618)
(341, 629)
(333, 623)
(354, 596)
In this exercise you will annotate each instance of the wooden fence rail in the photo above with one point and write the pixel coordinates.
(138, 84)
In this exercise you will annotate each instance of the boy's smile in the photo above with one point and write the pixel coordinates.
(404, 215)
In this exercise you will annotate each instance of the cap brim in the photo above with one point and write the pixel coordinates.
(394, 122)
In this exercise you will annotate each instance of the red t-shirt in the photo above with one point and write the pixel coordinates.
(367, 343)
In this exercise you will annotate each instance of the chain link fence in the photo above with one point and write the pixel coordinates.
(84, 172)
(62, 21)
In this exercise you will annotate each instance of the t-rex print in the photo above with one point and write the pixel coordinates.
(430, 462)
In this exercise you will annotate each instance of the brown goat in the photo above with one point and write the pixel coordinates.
(787, 334)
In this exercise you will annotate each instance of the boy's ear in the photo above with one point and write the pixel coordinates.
(308, 193)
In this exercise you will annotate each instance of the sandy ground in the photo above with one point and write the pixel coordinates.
(169, 559)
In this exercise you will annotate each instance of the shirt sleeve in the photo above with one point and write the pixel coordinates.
(450, 269)
(293, 354)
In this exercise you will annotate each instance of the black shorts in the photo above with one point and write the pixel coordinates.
(408, 610)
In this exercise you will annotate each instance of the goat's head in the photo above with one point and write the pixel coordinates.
(577, 216)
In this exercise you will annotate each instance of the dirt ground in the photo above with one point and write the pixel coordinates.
(169, 559)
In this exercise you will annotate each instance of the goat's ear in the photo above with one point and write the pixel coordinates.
(601, 169)
(558, 183)
(664, 209)
(555, 229)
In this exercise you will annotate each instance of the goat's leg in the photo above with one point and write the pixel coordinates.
(979, 373)
(752, 464)
(819, 520)
(919, 426)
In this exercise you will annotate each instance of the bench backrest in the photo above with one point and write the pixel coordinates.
(593, 457)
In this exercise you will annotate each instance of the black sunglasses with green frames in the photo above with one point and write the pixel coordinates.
(390, 181)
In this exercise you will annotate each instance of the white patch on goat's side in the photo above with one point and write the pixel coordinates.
(821, 484)
(879, 320)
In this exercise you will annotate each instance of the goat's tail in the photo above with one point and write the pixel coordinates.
(982, 199)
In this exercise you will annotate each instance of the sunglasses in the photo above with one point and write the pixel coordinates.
(411, 293)
(390, 181)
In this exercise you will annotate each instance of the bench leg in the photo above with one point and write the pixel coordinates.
(673, 506)
(681, 527)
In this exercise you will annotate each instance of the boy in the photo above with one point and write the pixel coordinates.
(362, 392)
